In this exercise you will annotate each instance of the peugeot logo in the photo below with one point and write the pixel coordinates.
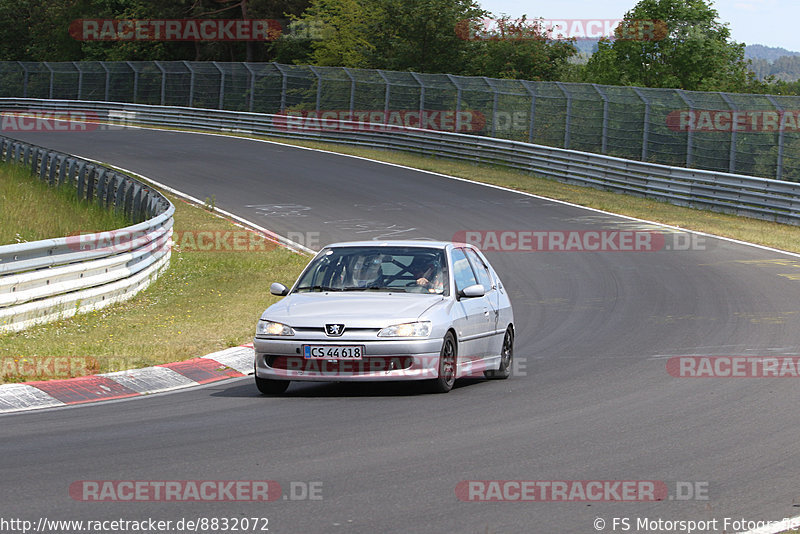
(334, 329)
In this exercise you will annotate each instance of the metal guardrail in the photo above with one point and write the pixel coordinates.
(724, 192)
(51, 279)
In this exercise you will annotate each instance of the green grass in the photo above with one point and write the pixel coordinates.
(31, 210)
(205, 301)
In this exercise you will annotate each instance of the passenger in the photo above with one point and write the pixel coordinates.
(428, 274)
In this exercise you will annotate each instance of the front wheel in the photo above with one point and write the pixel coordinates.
(506, 357)
(271, 387)
(447, 365)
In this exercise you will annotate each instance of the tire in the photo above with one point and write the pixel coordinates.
(506, 358)
(271, 387)
(448, 357)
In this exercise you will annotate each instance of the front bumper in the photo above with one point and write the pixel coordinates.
(407, 359)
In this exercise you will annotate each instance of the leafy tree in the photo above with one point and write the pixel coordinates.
(345, 31)
(671, 43)
(422, 35)
(520, 49)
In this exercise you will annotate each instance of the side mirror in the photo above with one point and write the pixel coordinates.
(476, 290)
(278, 289)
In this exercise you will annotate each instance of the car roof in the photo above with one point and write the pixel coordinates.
(393, 243)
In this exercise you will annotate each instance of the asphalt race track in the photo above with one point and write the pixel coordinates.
(591, 398)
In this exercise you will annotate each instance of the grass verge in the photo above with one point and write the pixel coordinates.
(31, 210)
(209, 299)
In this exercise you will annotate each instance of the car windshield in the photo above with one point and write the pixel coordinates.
(395, 269)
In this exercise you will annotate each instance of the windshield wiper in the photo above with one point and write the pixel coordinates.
(319, 288)
(366, 288)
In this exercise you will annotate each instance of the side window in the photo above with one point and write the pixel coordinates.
(462, 271)
(484, 278)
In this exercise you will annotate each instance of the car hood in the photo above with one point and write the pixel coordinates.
(363, 309)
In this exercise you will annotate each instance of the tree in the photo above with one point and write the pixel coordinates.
(520, 49)
(422, 35)
(345, 33)
(671, 43)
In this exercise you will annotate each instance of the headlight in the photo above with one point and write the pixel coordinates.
(418, 329)
(271, 328)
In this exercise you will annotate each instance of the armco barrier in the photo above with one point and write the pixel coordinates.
(730, 193)
(47, 280)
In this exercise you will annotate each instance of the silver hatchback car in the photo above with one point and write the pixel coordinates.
(390, 310)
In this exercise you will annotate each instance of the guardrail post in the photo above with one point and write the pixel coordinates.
(102, 187)
(386, 95)
(604, 141)
(63, 170)
(352, 91)
(646, 122)
(108, 81)
(26, 157)
(80, 79)
(532, 93)
(495, 94)
(568, 118)
(39, 163)
(458, 101)
(120, 187)
(779, 161)
(52, 75)
(319, 88)
(163, 81)
(732, 151)
(130, 194)
(221, 86)
(690, 133)
(91, 182)
(72, 172)
(283, 85)
(421, 96)
(252, 99)
(81, 173)
(25, 77)
(135, 80)
(191, 83)
(52, 168)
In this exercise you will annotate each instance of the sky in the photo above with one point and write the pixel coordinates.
(766, 22)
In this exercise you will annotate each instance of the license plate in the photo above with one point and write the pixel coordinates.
(333, 352)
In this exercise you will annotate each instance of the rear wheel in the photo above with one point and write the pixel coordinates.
(271, 387)
(447, 365)
(506, 357)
